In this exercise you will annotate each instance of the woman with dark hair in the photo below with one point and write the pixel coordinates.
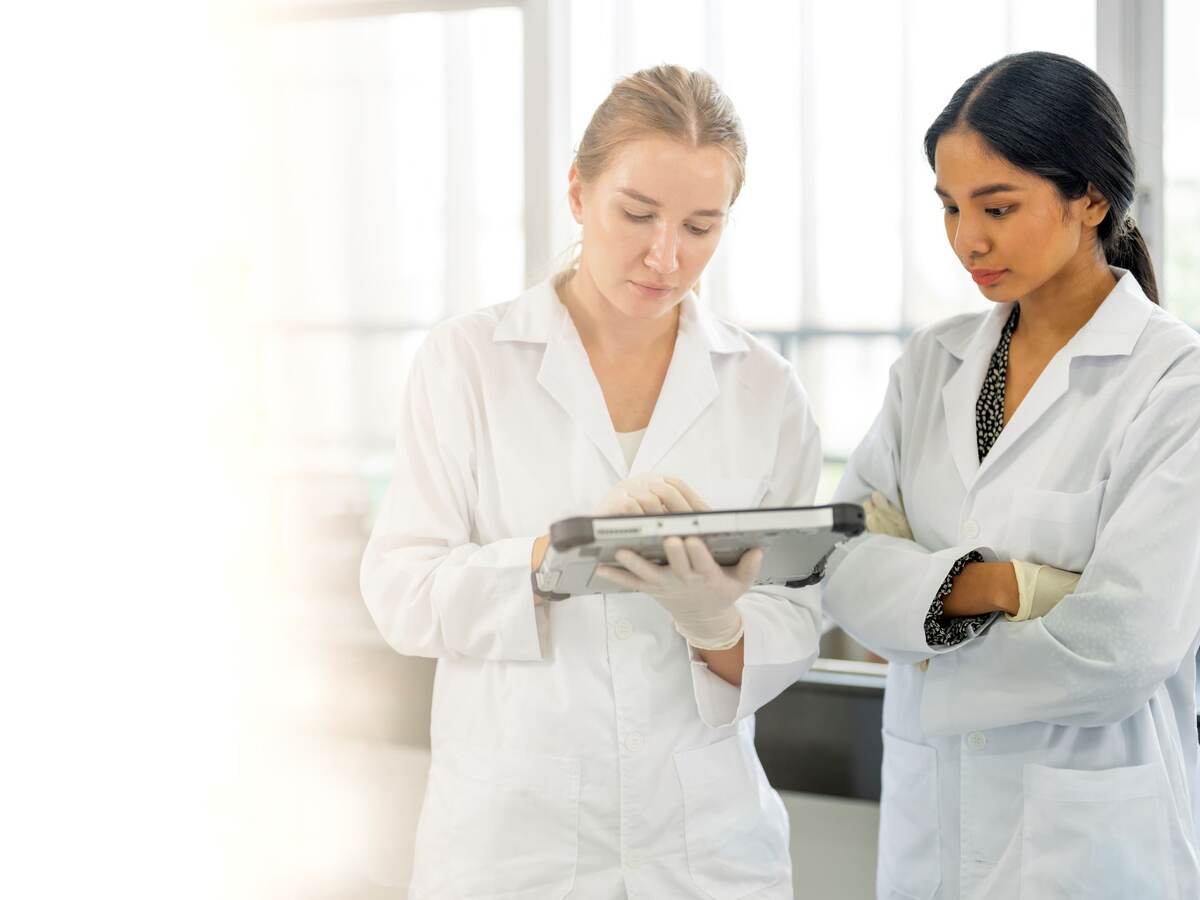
(1031, 570)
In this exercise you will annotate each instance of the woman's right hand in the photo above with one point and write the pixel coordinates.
(1040, 589)
(648, 494)
(640, 495)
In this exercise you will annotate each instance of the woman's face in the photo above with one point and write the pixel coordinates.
(651, 222)
(1011, 229)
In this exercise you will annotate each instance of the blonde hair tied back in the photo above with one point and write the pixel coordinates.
(668, 101)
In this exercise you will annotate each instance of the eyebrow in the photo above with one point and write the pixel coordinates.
(984, 191)
(642, 198)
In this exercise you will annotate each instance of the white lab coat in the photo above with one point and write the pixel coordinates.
(579, 750)
(1056, 757)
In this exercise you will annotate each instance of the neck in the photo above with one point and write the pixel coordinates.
(605, 329)
(1055, 311)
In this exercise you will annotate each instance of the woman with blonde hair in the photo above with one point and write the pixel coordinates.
(601, 746)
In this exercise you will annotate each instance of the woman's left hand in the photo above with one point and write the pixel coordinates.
(698, 593)
(883, 518)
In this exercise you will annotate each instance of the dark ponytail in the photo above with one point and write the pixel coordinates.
(1053, 116)
(1126, 248)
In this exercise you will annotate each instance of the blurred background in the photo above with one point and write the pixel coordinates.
(229, 225)
(418, 154)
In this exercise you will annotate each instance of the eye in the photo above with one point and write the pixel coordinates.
(998, 212)
(950, 210)
(699, 232)
(636, 218)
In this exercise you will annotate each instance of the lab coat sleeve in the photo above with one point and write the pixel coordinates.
(1099, 656)
(782, 625)
(879, 588)
(430, 587)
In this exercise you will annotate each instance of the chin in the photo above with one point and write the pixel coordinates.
(637, 306)
(1002, 293)
(651, 310)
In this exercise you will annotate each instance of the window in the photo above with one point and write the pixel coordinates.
(1180, 280)
(399, 194)
(397, 199)
(398, 186)
(835, 249)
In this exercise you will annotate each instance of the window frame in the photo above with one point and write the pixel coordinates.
(1130, 56)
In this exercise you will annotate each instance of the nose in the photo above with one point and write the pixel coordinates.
(970, 238)
(663, 255)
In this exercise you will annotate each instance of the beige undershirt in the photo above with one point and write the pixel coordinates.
(630, 441)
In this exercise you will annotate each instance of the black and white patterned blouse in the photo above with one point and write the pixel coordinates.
(945, 631)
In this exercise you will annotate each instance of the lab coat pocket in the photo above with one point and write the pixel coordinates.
(910, 845)
(498, 824)
(1055, 528)
(1095, 834)
(735, 827)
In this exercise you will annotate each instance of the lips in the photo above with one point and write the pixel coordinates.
(987, 276)
(652, 290)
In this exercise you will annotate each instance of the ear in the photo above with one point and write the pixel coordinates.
(575, 193)
(1093, 207)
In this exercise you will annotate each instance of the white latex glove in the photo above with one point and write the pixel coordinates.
(1040, 588)
(647, 494)
(883, 518)
(699, 594)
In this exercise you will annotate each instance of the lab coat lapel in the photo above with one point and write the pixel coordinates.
(1050, 385)
(691, 383)
(961, 392)
(689, 388)
(566, 374)
(1113, 330)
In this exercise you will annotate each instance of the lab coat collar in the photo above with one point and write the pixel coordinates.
(717, 337)
(958, 338)
(691, 383)
(690, 386)
(1113, 330)
(973, 343)
(534, 317)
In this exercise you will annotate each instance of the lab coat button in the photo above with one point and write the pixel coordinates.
(634, 742)
(623, 629)
(977, 740)
(970, 529)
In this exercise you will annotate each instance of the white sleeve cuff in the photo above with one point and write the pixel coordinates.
(486, 605)
(781, 643)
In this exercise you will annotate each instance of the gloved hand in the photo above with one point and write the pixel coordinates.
(699, 594)
(883, 518)
(1040, 589)
(644, 494)
(648, 494)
